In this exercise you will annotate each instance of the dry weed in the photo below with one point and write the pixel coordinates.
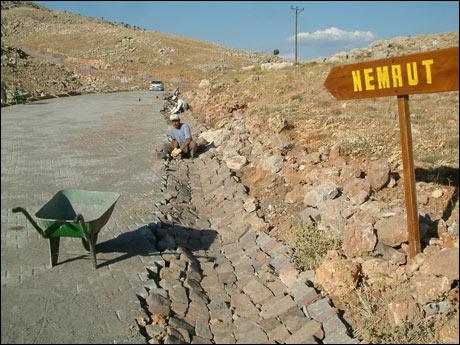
(366, 310)
(310, 245)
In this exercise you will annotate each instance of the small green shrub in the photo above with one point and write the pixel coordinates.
(310, 245)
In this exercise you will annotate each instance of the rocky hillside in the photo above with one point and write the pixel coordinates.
(47, 51)
(402, 45)
(325, 175)
(327, 179)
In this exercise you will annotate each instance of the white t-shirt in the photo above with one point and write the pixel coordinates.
(180, 134)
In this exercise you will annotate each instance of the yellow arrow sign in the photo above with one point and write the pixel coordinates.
(435, 71)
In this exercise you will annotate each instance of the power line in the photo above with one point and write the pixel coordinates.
(297, 11)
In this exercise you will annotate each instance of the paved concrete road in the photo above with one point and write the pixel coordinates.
(94, 142)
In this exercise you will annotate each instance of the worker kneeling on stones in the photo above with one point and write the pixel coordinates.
(181, 142)
(180, 107)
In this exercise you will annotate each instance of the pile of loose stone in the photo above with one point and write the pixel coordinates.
(219, 278)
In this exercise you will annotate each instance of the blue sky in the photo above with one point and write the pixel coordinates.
(324, 27)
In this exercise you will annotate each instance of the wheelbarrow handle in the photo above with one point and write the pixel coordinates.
(31, 220)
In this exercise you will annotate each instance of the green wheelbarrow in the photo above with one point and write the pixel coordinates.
(62, 216)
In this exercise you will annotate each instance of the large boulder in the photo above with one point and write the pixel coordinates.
(158, 305)
(309, 215)
(379, 174)
(442, 263)
(377, 271)
(358, 238)
(216, 136)
(315, 196)
(357, 190)
(339, 57)
(334, 214)
(448, 334)
(350, 171)
(389, 253)
(430, 288)
(404, 310)
(336, 275)
(272, 163)
(392, 231)
(236, 162)
(295, 195)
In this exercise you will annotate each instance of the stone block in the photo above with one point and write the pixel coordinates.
(279, 334)
(201, 340)
(179, 295)
(288, 275)
(202, 329)
(339, 338)
(227, 278)
(257, 291)
(157, 304)
(277, 308)
(179, 308)
(243, 306)
(219, 311)
(177, 323)
(321, 310)
(334, 324)
(248, 239)
(277, 288)
(263, 239)
(293, 319)
(279, 262)
(308, 334)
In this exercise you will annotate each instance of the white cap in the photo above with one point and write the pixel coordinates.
(174, 117)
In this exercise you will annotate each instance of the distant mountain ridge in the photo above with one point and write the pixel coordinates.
(101, 55)
(52, 52)
(401, 45)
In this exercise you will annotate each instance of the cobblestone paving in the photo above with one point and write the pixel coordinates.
(228, 281)
(93, 142)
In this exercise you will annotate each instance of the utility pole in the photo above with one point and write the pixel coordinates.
(297, 11)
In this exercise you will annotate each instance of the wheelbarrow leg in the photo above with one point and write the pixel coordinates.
(54, 250)
(85, 244)
(92, 249)
(90, 239)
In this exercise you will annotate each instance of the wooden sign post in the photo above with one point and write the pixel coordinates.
(435, 71)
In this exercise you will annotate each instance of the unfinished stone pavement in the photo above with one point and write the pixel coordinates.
(92, 142)
(221, 278)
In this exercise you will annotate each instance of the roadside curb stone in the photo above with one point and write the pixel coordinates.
(233, 283)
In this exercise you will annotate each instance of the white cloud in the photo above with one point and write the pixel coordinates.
(333, 35)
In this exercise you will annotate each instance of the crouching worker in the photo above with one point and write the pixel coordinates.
(181, 143)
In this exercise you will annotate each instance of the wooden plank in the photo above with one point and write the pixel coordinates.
(435, 71)
(409, 176)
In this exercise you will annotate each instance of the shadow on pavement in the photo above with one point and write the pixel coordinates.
(146, 242)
